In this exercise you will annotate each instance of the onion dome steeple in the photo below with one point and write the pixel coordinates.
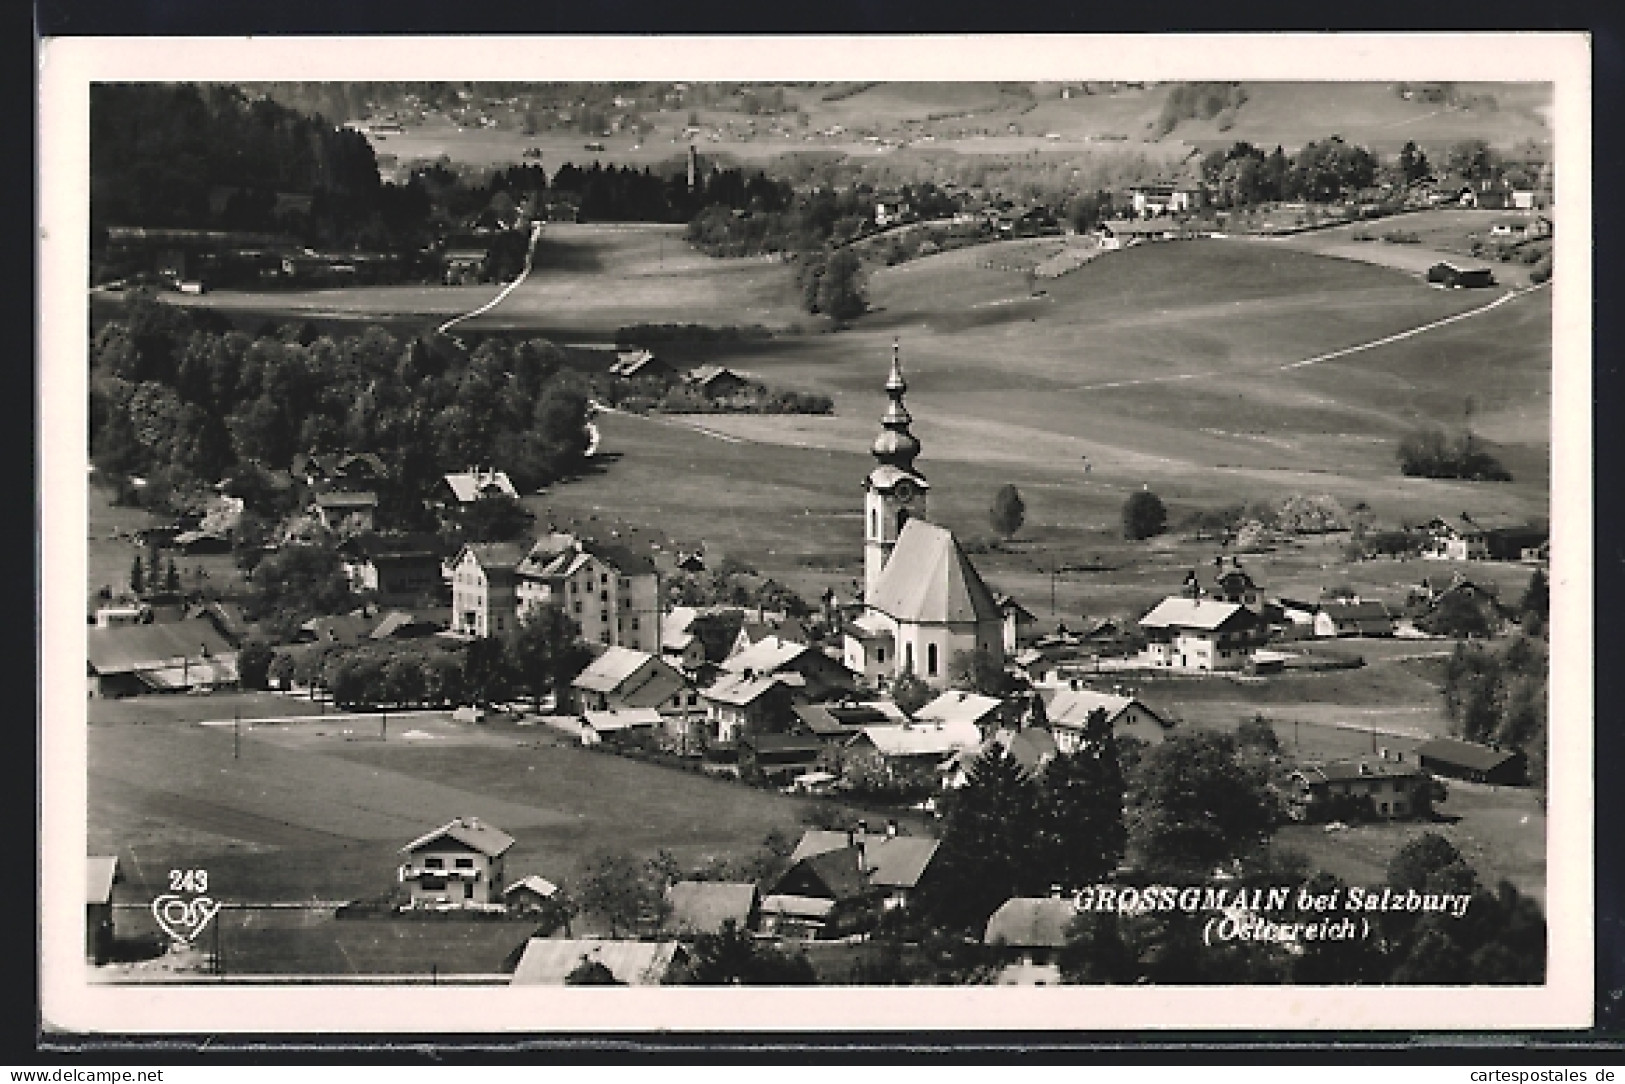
(896, 446)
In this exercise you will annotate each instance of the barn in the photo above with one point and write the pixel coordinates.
(1457, 276)
(1473, 762)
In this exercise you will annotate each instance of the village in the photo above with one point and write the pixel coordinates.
(661, 648)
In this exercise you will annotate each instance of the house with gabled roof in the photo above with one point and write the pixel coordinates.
(957, 707)
(484, 588)
(1200, 634)
(715, 381)
(819, 674)
(639, 364)
(703, 907)
(456, 865)
(466, 487)
(1360, 617)
(624, 679)
(550, 961)
(859, 872)
(101, 874)
(748, 702)
(1067, 712)
(164, 657)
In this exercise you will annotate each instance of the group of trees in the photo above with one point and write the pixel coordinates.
(1321, 172)
(1498, 696)
(539, 658)
(1187, 101)
(180, 396)
(1430, 453)
(1010, 833)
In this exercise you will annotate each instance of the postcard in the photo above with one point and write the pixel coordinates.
(930, 534)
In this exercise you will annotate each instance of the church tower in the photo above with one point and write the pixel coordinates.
(894, 492)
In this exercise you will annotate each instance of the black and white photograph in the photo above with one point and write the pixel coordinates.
(1102, 525)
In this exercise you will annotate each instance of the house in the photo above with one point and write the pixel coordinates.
(466, 487)
(458, 864)
(529, 895)
(1473, 762)
(1483, 537)
(923, 600)
(1199, 634)
(623, 679)
(622, 726)
(746, 703)
(403, 625)
(346, 629)
(778, 756)
(955, 708)
(1122, 233)
(397, 578)
(698, 641)
(1356, 618)
(346, 471)
(796, 918)
(118, 617)
(1233, 584)
(174, 657)
(912, 750)
(1020, 626)
(611, 591)
(1028, 933)
(639, 365)
(716, 382)
(818, 674)
(702, 907)
(101, 874)
(1326, 791)
(548, 961)
(1067, 711)
(1455, 276)
(484, 588)
(858, 869)
(1032, 748)
(1154, 198)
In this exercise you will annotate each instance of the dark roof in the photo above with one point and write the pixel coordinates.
(1355, 611)
(624, 559)
(782, 744)
(496, 555)
(717, 633)
(1465, 754)
(468, 831)
(834, 720)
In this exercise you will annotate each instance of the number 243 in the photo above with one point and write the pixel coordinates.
(188, 880)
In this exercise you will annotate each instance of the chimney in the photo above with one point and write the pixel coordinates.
(891, 828)
(863, 828)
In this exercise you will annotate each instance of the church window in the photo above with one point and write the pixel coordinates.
(902, 518)
(874, 523)
(880, 654)
(908, 656)
(931, 659)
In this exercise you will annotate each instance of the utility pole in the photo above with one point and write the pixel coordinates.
(236, 732)
(383, 728)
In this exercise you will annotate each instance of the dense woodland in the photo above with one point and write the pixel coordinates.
(179, 398)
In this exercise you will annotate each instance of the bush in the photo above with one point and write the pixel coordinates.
(1429, 453)
(1542, 271)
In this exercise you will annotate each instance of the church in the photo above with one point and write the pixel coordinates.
(923, 601)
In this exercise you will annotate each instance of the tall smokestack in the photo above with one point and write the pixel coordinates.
(693, 166)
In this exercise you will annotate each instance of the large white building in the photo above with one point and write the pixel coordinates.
(923, 600)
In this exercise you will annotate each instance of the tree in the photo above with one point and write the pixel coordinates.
(732, 957)
(910, 693)
(172, 578)
(591, 972)
(1008, 512)
(138, 579)
(1194, 804)
(1461, 615)
(1536, 602)
(627, 893)
(1413, 163)
(546, 653)
(498, 518)
(487, 671)
(254, 665)
(840, 288)
(1143, 515)
(982, 671)
(1082, 834)
(990, 848)
(1257, 733)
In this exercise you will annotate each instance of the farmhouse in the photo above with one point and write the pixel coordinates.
(1067, 713)
(623, 679)
(338, 470)
(924, 601)
(638, 365)
(955, 709)
(1473, 762)
(458, 864)
(1019, 624)
(1484, 537)
(857, 871)
(716, 382)
(1394, 791)
(468, 486)
(345, 511)
(101, 874)
(1357, 618)
(818, 674)
(396, 578)
(841, 721)
(746, 703)
(175, 657)
(912, 749)
(779, 756)
(1460, 276)
(702, 907)
(1198, 634)
(551, 961)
